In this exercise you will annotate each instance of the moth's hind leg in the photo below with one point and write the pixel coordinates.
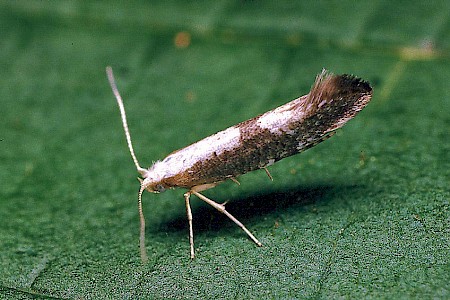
(221, 208)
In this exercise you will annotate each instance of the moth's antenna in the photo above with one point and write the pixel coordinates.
(144, 257)
(112, 82)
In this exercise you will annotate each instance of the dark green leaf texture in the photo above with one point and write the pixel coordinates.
(362, 215)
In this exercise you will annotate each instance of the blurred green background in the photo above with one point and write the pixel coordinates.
(362, 215)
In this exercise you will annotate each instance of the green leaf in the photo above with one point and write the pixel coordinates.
(362, 215)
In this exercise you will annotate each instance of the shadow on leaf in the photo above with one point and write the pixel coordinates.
(249, 209)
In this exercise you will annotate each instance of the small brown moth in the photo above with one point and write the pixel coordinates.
(253, 144)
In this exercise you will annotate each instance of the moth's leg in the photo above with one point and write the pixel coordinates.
(235, 180)
(187, 196)
(221, 208)
(268, 173)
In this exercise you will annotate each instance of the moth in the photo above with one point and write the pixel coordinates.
(250, 145)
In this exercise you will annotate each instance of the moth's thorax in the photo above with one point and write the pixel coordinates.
(176, 169)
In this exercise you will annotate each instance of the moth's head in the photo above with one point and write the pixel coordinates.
(150, 183)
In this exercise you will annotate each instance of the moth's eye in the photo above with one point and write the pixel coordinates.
(160, 188)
